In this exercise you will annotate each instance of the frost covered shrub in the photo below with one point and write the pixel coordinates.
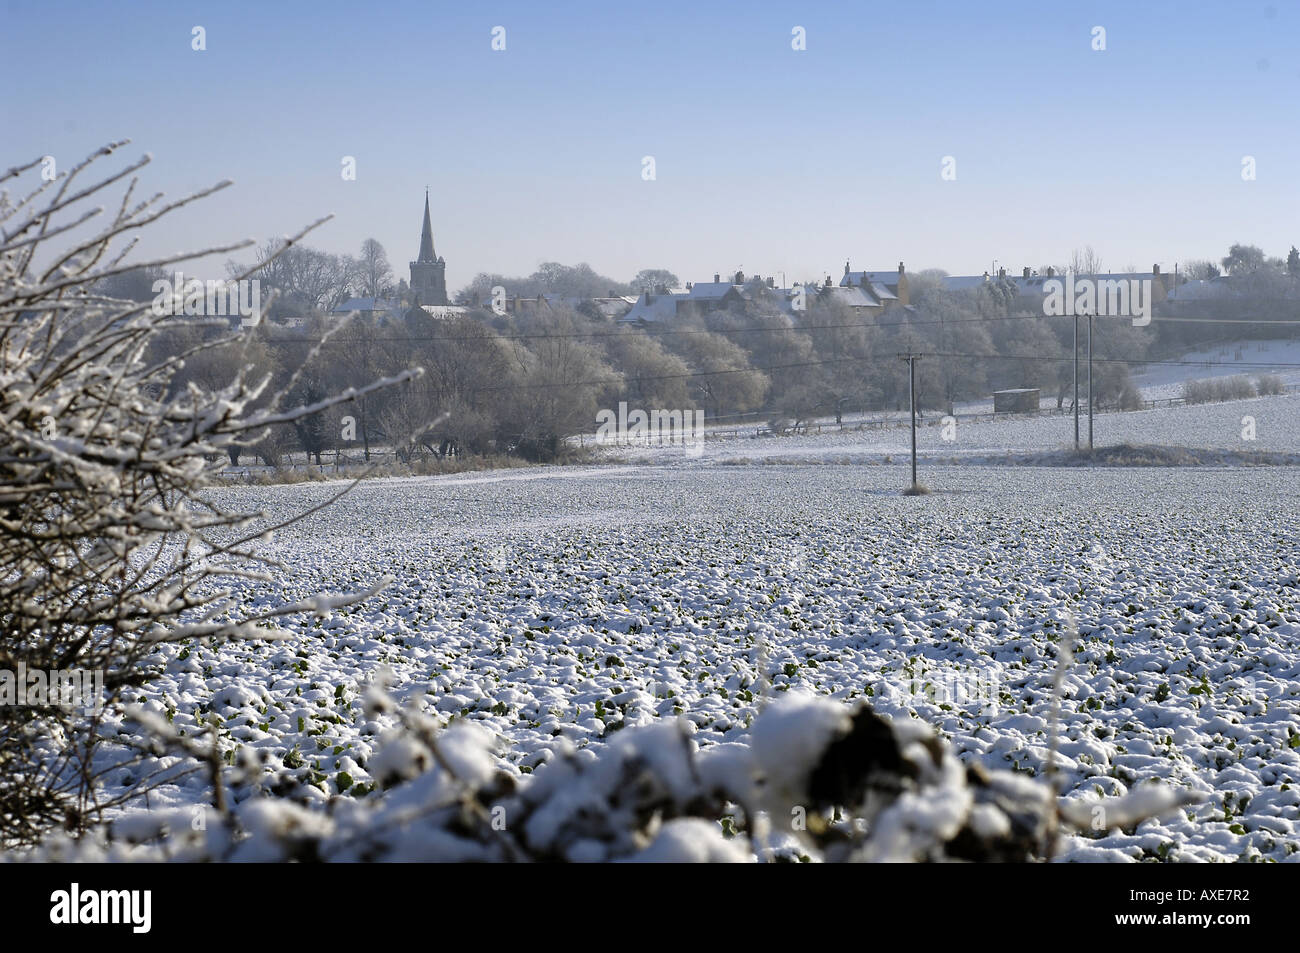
(1129, 397)
(1269, 385)
(1198, 392)
(1238, 387)
(107, 547)
(817, 781)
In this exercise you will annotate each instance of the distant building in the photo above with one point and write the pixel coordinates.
(1019, 400)
(437, 311)
(370, 308)
(855, 297)
(428, 271)
(1029, 291)
(1202, 290)
(610, 307)
(654, 307)
(887, 288)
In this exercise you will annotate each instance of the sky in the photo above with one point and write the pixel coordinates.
(767, 159)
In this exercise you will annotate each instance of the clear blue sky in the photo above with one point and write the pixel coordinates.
(768, 160)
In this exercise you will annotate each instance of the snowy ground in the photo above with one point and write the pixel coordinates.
(574, 601)
(1239, 357)
(1276, 428)
(1162, 381)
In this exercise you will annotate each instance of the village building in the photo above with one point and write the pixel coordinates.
(429, 278)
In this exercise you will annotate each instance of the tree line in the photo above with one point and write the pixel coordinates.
(521, 384)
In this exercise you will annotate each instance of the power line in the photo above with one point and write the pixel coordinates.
(1190, 319)
(646, 332)
(670, 332)
(1119, 360)
(871, 359)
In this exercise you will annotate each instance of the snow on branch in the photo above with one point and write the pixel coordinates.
(108, 541)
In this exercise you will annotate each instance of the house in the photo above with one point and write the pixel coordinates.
(705, 296)
(1029, 286)
(654, 307)
(371, 308)
(439, 312)
(887, 288)
(854, 297)
(1202, 290)
(701, 297)
(611, 307)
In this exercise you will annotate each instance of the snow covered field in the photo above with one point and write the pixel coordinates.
(1260, 357)
(1219, 426)
(576, 601)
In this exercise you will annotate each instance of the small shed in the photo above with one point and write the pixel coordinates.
(1021, 400)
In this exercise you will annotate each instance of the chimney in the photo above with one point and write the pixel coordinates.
(1050, 271)
(717, 278)
(900, 267)
(1002, 272)
(828, 281)
(690, 285)
(1025, 273)
(846, 266)
(1155, 270)
(771, 282)
(740, 278)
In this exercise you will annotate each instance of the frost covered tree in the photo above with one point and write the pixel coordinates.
(1243, 260)
(650, 279)
(109, 545)
(374, 273)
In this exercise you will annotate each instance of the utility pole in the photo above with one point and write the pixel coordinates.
(1076, 382)
(911, 373)
(1090, 382)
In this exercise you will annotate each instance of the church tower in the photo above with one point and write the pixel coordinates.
(428, 271)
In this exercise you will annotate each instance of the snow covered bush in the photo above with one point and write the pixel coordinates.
(818, 781)
(1238, 387)
(107, 547)
(1269, 385)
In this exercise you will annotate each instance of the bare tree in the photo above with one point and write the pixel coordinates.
(108, 546)
(653, 279)
(374, 273)
(309, 281)
(1084, 262)
(564, 378)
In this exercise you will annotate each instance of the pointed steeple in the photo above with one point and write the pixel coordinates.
(426, 234)
(428, 272)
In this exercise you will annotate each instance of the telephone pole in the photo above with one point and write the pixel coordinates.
(1076, 382)
(911, 373)
(1089, 383)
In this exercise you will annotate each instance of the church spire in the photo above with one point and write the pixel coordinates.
(426, 235)
(428, 272)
